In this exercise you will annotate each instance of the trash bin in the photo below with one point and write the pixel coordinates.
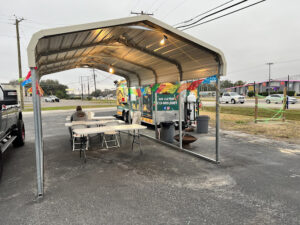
(202, 124)
(167, 131)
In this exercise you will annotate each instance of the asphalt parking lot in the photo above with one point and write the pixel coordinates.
(257, 182)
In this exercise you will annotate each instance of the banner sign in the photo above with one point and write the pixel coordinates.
(167, 102)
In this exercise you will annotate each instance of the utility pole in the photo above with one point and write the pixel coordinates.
(88, 86)
(94, 79)
(288, 83)
(18, 20)
(270, 64)
(81, 88)
(141, 13)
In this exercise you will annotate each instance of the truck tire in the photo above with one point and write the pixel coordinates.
(127, 117)
(20, 133)
(123, 116)
(233, 101)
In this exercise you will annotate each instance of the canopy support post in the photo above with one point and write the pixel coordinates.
(218, 113)
(129, 104)
(38, 133)
(180, 121)
(155, 116)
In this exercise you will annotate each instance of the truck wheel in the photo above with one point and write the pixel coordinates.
(127, 117)
(124, 116)
(232, 101)
(19, 141)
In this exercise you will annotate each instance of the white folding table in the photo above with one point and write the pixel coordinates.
(68, 118)
(89, 122)
(99, 130)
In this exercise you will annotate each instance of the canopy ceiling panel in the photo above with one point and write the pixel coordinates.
(131, 46)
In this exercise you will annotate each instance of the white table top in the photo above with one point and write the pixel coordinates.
(97, 130)
(68, 118)
(103, 118)
(89, 122)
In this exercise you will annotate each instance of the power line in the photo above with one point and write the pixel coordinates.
(153, 4)
(224, 15)
(231, 6)
(204, 13)
(160, 5)
(173, 9)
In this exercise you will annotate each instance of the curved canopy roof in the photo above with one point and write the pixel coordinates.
(131, 46)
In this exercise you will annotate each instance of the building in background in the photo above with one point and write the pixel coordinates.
(275, 86)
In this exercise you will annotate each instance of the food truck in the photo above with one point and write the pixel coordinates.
(167, 104)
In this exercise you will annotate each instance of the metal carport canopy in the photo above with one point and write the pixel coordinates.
(131, 46)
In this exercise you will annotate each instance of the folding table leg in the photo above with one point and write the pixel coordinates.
(141, 152)
(82, 139)
(120, 137)
(133, 139)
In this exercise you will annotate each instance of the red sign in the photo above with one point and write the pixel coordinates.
(264, 84)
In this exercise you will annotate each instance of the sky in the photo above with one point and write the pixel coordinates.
(267, 32)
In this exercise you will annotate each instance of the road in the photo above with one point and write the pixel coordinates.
(257, 181)
(64, 102)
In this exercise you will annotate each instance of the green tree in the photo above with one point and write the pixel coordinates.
(96, 93)
(226, 84)
(239, 83)
(53, 87)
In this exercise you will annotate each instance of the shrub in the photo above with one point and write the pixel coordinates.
(250, 93)
(264, 93)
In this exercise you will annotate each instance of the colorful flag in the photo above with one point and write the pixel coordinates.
(130, 91)
(142, 90)
(139, 93)
(154, 87)
(30, 90)
(166, 88)
(208, 80)
(195, 84)
(183, 87)
(26, 82)
(174, 88)
(146, 89)
(160, 88)
(39, 89)
(21, 79)
(28, 75)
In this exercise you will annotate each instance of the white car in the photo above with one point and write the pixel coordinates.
(232, 97)
(278, 98)
(49, 99)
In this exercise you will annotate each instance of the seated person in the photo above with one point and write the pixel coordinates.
(79, 115)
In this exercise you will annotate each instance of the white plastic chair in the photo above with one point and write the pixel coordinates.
(113, 138)
(77, 139)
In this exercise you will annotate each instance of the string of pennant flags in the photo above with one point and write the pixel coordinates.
(28, 80)
(172, 88)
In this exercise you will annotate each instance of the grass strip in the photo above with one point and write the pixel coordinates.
(290, 114)
(70, 107)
